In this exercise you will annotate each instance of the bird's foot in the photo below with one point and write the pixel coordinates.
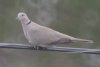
(39, 48)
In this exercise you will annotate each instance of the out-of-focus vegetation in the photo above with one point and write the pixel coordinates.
(79, 18)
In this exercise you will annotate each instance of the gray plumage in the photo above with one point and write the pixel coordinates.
(41, 35)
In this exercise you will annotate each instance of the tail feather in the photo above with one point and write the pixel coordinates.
(82, 40)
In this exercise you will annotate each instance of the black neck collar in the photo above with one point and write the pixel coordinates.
(29, 22)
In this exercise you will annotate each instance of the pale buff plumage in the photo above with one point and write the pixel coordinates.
(41, 35)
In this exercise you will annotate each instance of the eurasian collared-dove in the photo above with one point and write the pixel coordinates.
(41, 35)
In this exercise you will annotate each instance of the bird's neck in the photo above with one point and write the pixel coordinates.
(26, 21)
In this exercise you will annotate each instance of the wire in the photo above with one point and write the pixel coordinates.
(59, 49)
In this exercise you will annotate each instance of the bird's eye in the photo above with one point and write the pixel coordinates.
(22, 15)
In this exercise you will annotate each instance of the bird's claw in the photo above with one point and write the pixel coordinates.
(39, 48)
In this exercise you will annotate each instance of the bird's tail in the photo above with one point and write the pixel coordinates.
(82, 40)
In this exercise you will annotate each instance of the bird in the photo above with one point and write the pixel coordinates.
(39, 35)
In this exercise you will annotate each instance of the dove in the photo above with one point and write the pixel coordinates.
(39, 35)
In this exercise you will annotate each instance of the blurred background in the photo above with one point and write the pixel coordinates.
(78, 18)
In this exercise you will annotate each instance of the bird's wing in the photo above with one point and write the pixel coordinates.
(45, 35)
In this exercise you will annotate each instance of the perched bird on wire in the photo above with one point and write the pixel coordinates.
(39, 35)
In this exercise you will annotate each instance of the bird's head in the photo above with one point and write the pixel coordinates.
(22, 17)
